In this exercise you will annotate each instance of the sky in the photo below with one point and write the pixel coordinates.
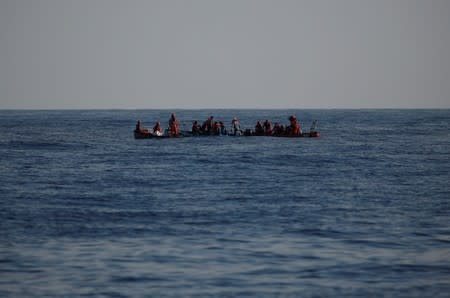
(190, 54)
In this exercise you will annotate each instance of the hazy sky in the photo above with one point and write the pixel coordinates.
(224, 54)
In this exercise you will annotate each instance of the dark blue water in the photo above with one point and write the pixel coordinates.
(87, 210)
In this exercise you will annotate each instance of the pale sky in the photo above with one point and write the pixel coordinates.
(63, 54)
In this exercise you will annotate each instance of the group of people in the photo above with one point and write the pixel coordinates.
(213, 127)
(173, 130)
(266, 129)
(209, 127)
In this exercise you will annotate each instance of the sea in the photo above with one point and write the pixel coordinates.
(86, 210)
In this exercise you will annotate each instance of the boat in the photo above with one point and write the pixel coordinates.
(148, 135)
(145, 134)
(140, 133)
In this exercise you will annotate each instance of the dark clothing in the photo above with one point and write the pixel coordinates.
(267, 128)
(196, 129)
(207, 125)
(138, 127)
(259, 130)
(223, 130)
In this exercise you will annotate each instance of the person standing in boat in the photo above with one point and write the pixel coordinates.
(157, 129)
(138, 126)
(207, 125)
(235, 127)
(174, 125)
(294, 129)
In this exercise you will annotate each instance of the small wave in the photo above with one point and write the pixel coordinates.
(44, 145)
(138, 279)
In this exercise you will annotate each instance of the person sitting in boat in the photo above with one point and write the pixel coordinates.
(312, 131)
(174, 125)
(235, 127)
(278, 129)
(157, 129)
(267, 128)
(223, 130)
(294, 128)
(196, 129)
(259, 130)
(216, 128)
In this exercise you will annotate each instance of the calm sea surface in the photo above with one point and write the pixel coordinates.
(87, 210)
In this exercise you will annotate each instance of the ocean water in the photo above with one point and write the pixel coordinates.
(88, 211)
